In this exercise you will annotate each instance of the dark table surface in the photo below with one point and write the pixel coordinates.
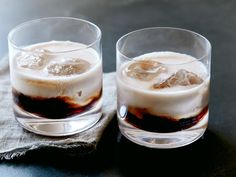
(214, 155)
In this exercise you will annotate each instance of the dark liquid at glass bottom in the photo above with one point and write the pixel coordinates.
(54, 108)
(141, 119)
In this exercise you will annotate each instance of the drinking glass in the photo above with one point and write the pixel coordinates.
(56, 75)
(163, 78)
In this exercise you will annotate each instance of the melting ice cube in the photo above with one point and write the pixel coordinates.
(33, 60)
(68, 67)
(145, 70)
(180, 78)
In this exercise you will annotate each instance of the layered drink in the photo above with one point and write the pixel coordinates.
(50, 82)
(163, 92)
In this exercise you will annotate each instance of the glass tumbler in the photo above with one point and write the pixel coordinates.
(163, 78)
(56, 75)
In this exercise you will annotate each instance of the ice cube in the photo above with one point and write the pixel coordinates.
(180, 78)
(68, 67)
(33, 60)
(145, 70)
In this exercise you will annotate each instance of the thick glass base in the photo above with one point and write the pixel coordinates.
(163, 140)
(58, 127)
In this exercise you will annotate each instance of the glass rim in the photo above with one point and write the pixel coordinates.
(208, 44)
(24, 24)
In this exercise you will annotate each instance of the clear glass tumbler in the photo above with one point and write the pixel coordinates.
(56, 75)
(163, 78)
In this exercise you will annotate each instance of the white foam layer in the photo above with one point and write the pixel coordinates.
(39, 82)
(178, 101)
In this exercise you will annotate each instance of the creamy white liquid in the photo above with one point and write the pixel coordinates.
(177, 101)
(37, 81)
